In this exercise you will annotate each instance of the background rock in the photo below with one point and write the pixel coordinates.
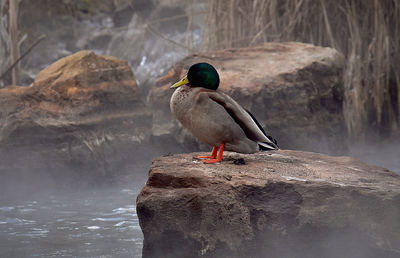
(293, 89)
(83, 112)
(280, 204)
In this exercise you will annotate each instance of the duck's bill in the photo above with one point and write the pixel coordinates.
(180, 83)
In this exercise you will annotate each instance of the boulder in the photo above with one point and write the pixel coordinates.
(83, 112)
(293, 89)
(283, 203)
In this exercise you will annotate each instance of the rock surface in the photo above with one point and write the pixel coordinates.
(76, 114)
(293, 89)
(279, 204)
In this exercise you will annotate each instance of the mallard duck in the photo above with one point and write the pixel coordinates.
(214, 117)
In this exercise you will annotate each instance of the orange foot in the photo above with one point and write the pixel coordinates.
(213, 154)
(210, 161)
(214, 158)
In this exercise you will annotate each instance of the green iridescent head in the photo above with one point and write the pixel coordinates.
(200, 75)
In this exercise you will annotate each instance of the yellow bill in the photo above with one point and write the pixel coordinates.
(180, 83)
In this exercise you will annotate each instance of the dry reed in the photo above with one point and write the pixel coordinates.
(366, 32)
(4, 42)
(13, 30)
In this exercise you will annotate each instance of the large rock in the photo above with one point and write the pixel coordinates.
(83, 112)
(279, 204)
(293, 89)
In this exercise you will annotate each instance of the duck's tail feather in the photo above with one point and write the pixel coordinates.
(264, 146)
(273, 140)
(267, 146)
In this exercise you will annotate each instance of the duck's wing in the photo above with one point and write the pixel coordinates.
(244, 119)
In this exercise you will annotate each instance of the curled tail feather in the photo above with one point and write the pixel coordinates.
(264, 146)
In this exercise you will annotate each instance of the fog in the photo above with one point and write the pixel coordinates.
(384, 154)
(57, 209)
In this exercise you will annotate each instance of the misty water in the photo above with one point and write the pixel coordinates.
(96, 222)
(79, 223)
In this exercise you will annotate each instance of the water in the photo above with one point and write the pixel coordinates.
(100, 222)
(95, 223)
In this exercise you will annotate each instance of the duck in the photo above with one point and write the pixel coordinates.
(215, 118)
